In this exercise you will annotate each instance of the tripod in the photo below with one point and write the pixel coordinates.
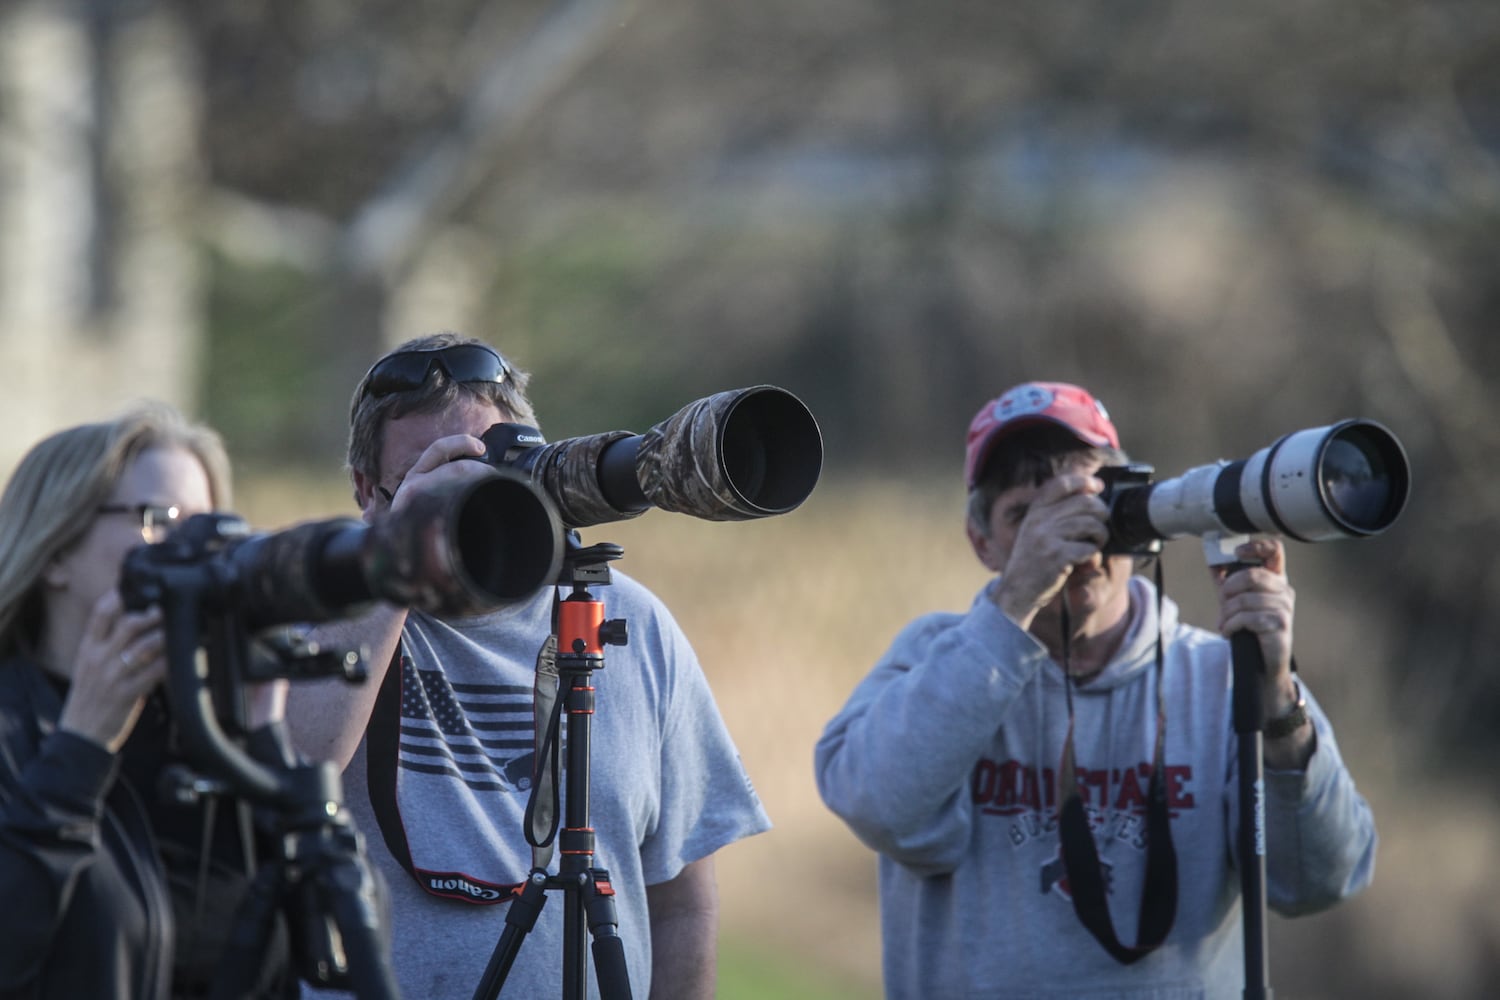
(588, 897)
(320, 878)
(1249, 716)
(321, 867)
(1249, 723)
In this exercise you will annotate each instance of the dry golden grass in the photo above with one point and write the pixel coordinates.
(788, 613)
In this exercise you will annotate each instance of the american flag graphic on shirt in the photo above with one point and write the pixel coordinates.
(482, 734)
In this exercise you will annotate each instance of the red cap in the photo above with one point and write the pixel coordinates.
(1032, 403)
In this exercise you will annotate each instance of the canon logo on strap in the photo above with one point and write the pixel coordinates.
(463, 886)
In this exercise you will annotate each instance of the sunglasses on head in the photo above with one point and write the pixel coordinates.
(408, 370)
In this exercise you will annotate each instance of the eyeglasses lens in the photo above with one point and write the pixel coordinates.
(157, 522)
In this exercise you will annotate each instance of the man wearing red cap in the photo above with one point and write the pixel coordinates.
(1051, 778)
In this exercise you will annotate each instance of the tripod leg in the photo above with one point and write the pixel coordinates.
(1249, 721)
(239, 965)
(338, 896)
(609, 950)
(519, 921)
(348, 889)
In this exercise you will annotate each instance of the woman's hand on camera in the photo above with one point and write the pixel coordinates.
(120, 659)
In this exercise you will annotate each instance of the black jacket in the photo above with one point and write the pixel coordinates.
(104, 887)
(86, 910)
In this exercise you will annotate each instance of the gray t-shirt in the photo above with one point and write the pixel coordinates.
(666, 788)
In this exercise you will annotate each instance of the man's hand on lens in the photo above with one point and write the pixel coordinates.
(438, 466)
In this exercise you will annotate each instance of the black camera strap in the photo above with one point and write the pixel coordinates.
(1080, 855)
(547, 708)
(382, 750)
(382, 771)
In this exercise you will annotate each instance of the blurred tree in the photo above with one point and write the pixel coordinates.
(98, 168)
(1232, 221)
(1255, 218)
(380, 79)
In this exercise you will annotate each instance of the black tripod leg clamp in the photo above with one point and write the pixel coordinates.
(609, 950)
(527, 906)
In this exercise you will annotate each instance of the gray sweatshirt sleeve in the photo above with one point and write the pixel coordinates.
(895, 763)
(1319, 830)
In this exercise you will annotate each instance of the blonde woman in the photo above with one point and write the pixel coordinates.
(88, 850)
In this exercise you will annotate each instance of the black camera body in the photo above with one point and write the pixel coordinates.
(1120, 482)
(150, 572)
(507, 444)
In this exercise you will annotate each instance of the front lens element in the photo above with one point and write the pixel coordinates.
(1363, 477)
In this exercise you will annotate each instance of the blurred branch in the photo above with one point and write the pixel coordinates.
(362, 260)
(248, 229)
(1429, 355)
(1423, 344)
(389, 228)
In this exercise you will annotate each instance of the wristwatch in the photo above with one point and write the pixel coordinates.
(1292, 720)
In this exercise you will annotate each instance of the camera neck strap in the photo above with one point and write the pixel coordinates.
(1086, 879)
(542, 807)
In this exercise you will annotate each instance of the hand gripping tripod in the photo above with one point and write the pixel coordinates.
(1249, 716)
(589, 907)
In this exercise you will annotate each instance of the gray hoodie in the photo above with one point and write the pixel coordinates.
(945, 760)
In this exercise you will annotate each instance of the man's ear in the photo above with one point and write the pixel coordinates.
(364, 489)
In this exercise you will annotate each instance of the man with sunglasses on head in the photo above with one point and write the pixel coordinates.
(438, 746)
(1051, 778)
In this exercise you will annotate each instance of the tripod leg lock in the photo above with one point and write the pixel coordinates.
(609, 950)
(600, 904)
(527, 906)
(601, 882)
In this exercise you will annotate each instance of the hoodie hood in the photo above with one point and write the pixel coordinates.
(1137, 653)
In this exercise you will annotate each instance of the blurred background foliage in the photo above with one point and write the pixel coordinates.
(1230, 221)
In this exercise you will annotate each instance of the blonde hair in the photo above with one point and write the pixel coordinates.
(51, 499)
